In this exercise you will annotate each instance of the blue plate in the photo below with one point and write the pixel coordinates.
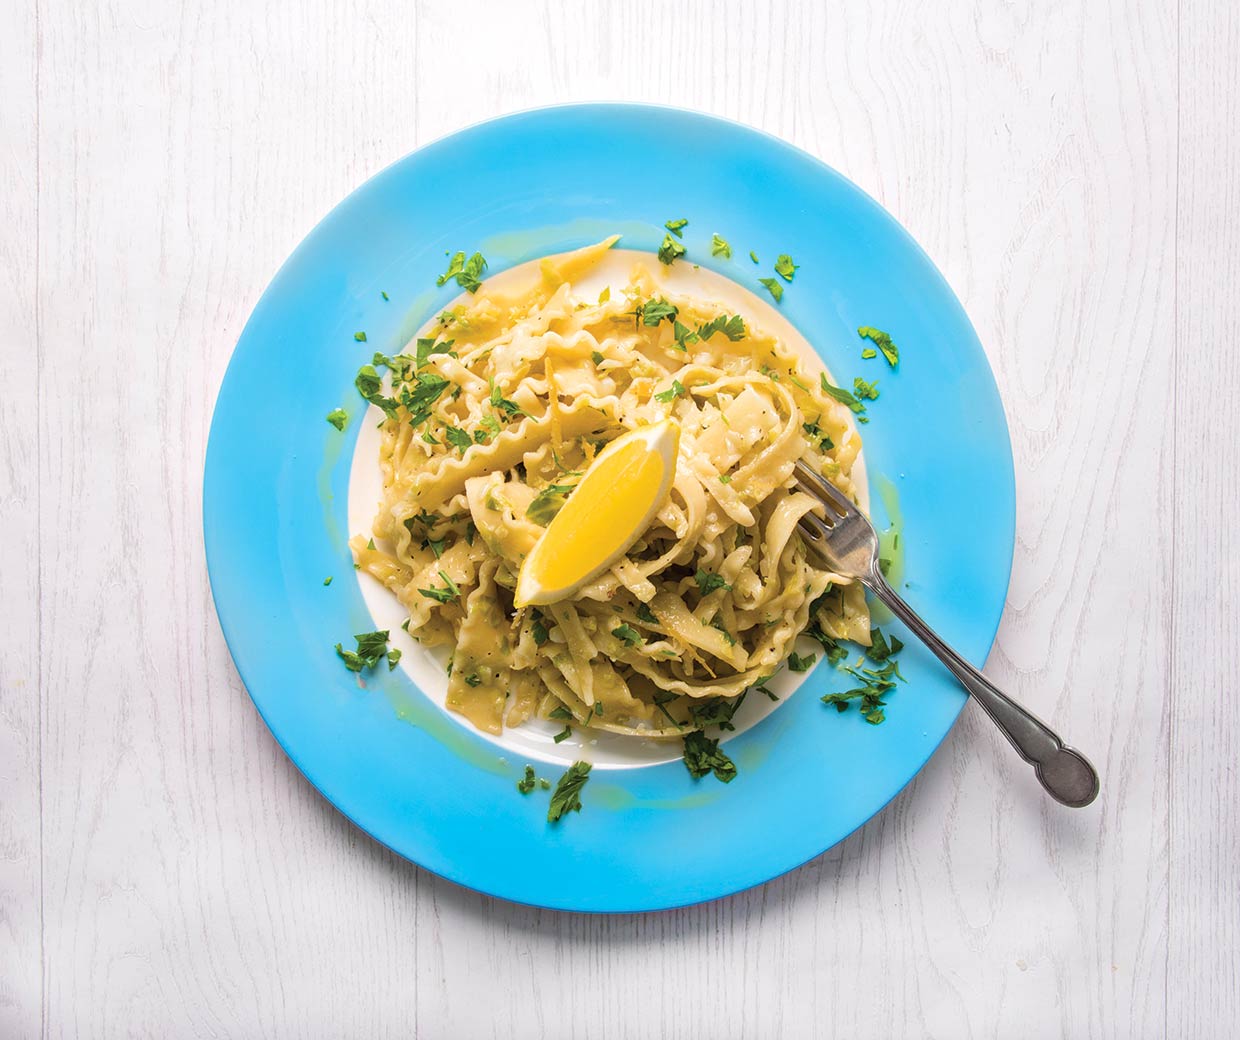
(277, 476)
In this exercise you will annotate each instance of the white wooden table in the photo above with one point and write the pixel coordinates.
(166, 872)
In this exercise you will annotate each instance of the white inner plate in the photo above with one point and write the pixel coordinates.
(533, 740)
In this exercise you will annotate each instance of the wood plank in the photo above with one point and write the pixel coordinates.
(21, 977)
(1205, 667)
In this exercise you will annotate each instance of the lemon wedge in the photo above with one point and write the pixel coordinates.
(610, 509)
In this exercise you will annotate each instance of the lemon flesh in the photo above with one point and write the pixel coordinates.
(610, 509)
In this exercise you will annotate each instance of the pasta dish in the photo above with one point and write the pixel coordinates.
(493, 416)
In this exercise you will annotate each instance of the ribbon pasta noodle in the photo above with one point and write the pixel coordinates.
(490, 422)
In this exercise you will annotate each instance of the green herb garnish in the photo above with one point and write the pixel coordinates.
(883, 341)
(753, 256)
(371, 647)
(644, 613)
(801, 664)
(526, 785)
(841, 395)
(868, 353)
(327, 581)
(670, 250)
(628, 635)
(677, 227)
(567, 794)
(468, 273)
(458, 438)
(702, 756)
(360, 337)
(447, 594)
(717, 711)
(733, 327)
(719, 247)
(865, 391)
(654, 311)
(561, 713)
(338, 417)
(672, 392)
(708, 583)
(539, 631)
(773, 287)
(393, 659)
(784, 267)
(564, 734)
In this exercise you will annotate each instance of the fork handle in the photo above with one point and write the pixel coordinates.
(1062, 770)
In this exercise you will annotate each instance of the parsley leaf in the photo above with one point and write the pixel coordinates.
(371, 647)
(717, 711)
(708, 583)
(672, 392)
(547, 503)
(538, 630)
(526, 785)
(801, 664)
(501, 403)
(684, 336)
(393, 659)
(644, 613)
(458, 438)
(597, 358)
(419, 398)
(628, 635)
(427, 346)
(654, 311)
(733, 327)
(564, 734)
(883, 341)
(670, 250)
(880, 649)
(370, 386)
(702, 756)
(719, 247)
(445, 595)
(865, 391)
(784, 267)
(327, 581)
(868, 353)
(360, 337)
(468, 273)
(567, 794)
(841, 395)
(338, 417)
(773, 287)
(560, 712)
(832, 650)
(753, 256)
(677, 227)
(473, 680)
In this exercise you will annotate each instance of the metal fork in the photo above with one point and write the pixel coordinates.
(847, 540)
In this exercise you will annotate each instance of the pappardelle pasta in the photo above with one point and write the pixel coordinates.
(491, 419)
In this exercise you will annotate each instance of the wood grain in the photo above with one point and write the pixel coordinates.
(21, 958)
(165, 871)
(1204, 780)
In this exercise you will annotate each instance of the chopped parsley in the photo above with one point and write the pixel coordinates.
(526, 784)
(719, 247)
(717, 711)
(708, 583)
(628, 635)
(393, 659)
(784, 267)
(327, 581)
(468, 273)
(360, 337)
(597, 358)
(868, 353)
(447, 594)
(754, 256)
(672, 392)
(562, 713)
(670, 250)
(733, 327)
(883, 341)
(566, 797)
(725, 478)
(773, 287)
(654, 311)
(644, 613)
(814, 432)
(384, 295)
(832, 650)
(427, 346)
(677, 227)
(419, 397)
(371, 646)
(473, 680)
(801, 664)
(370, 386)
(547, 503)
(880, 648)
(499, 402)
(876, 683)
(605, 294)
(338, 417)
(539, 631)
(563, 735)
(865, 391)
(458, 438)
(840, 394)
(702, 756)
